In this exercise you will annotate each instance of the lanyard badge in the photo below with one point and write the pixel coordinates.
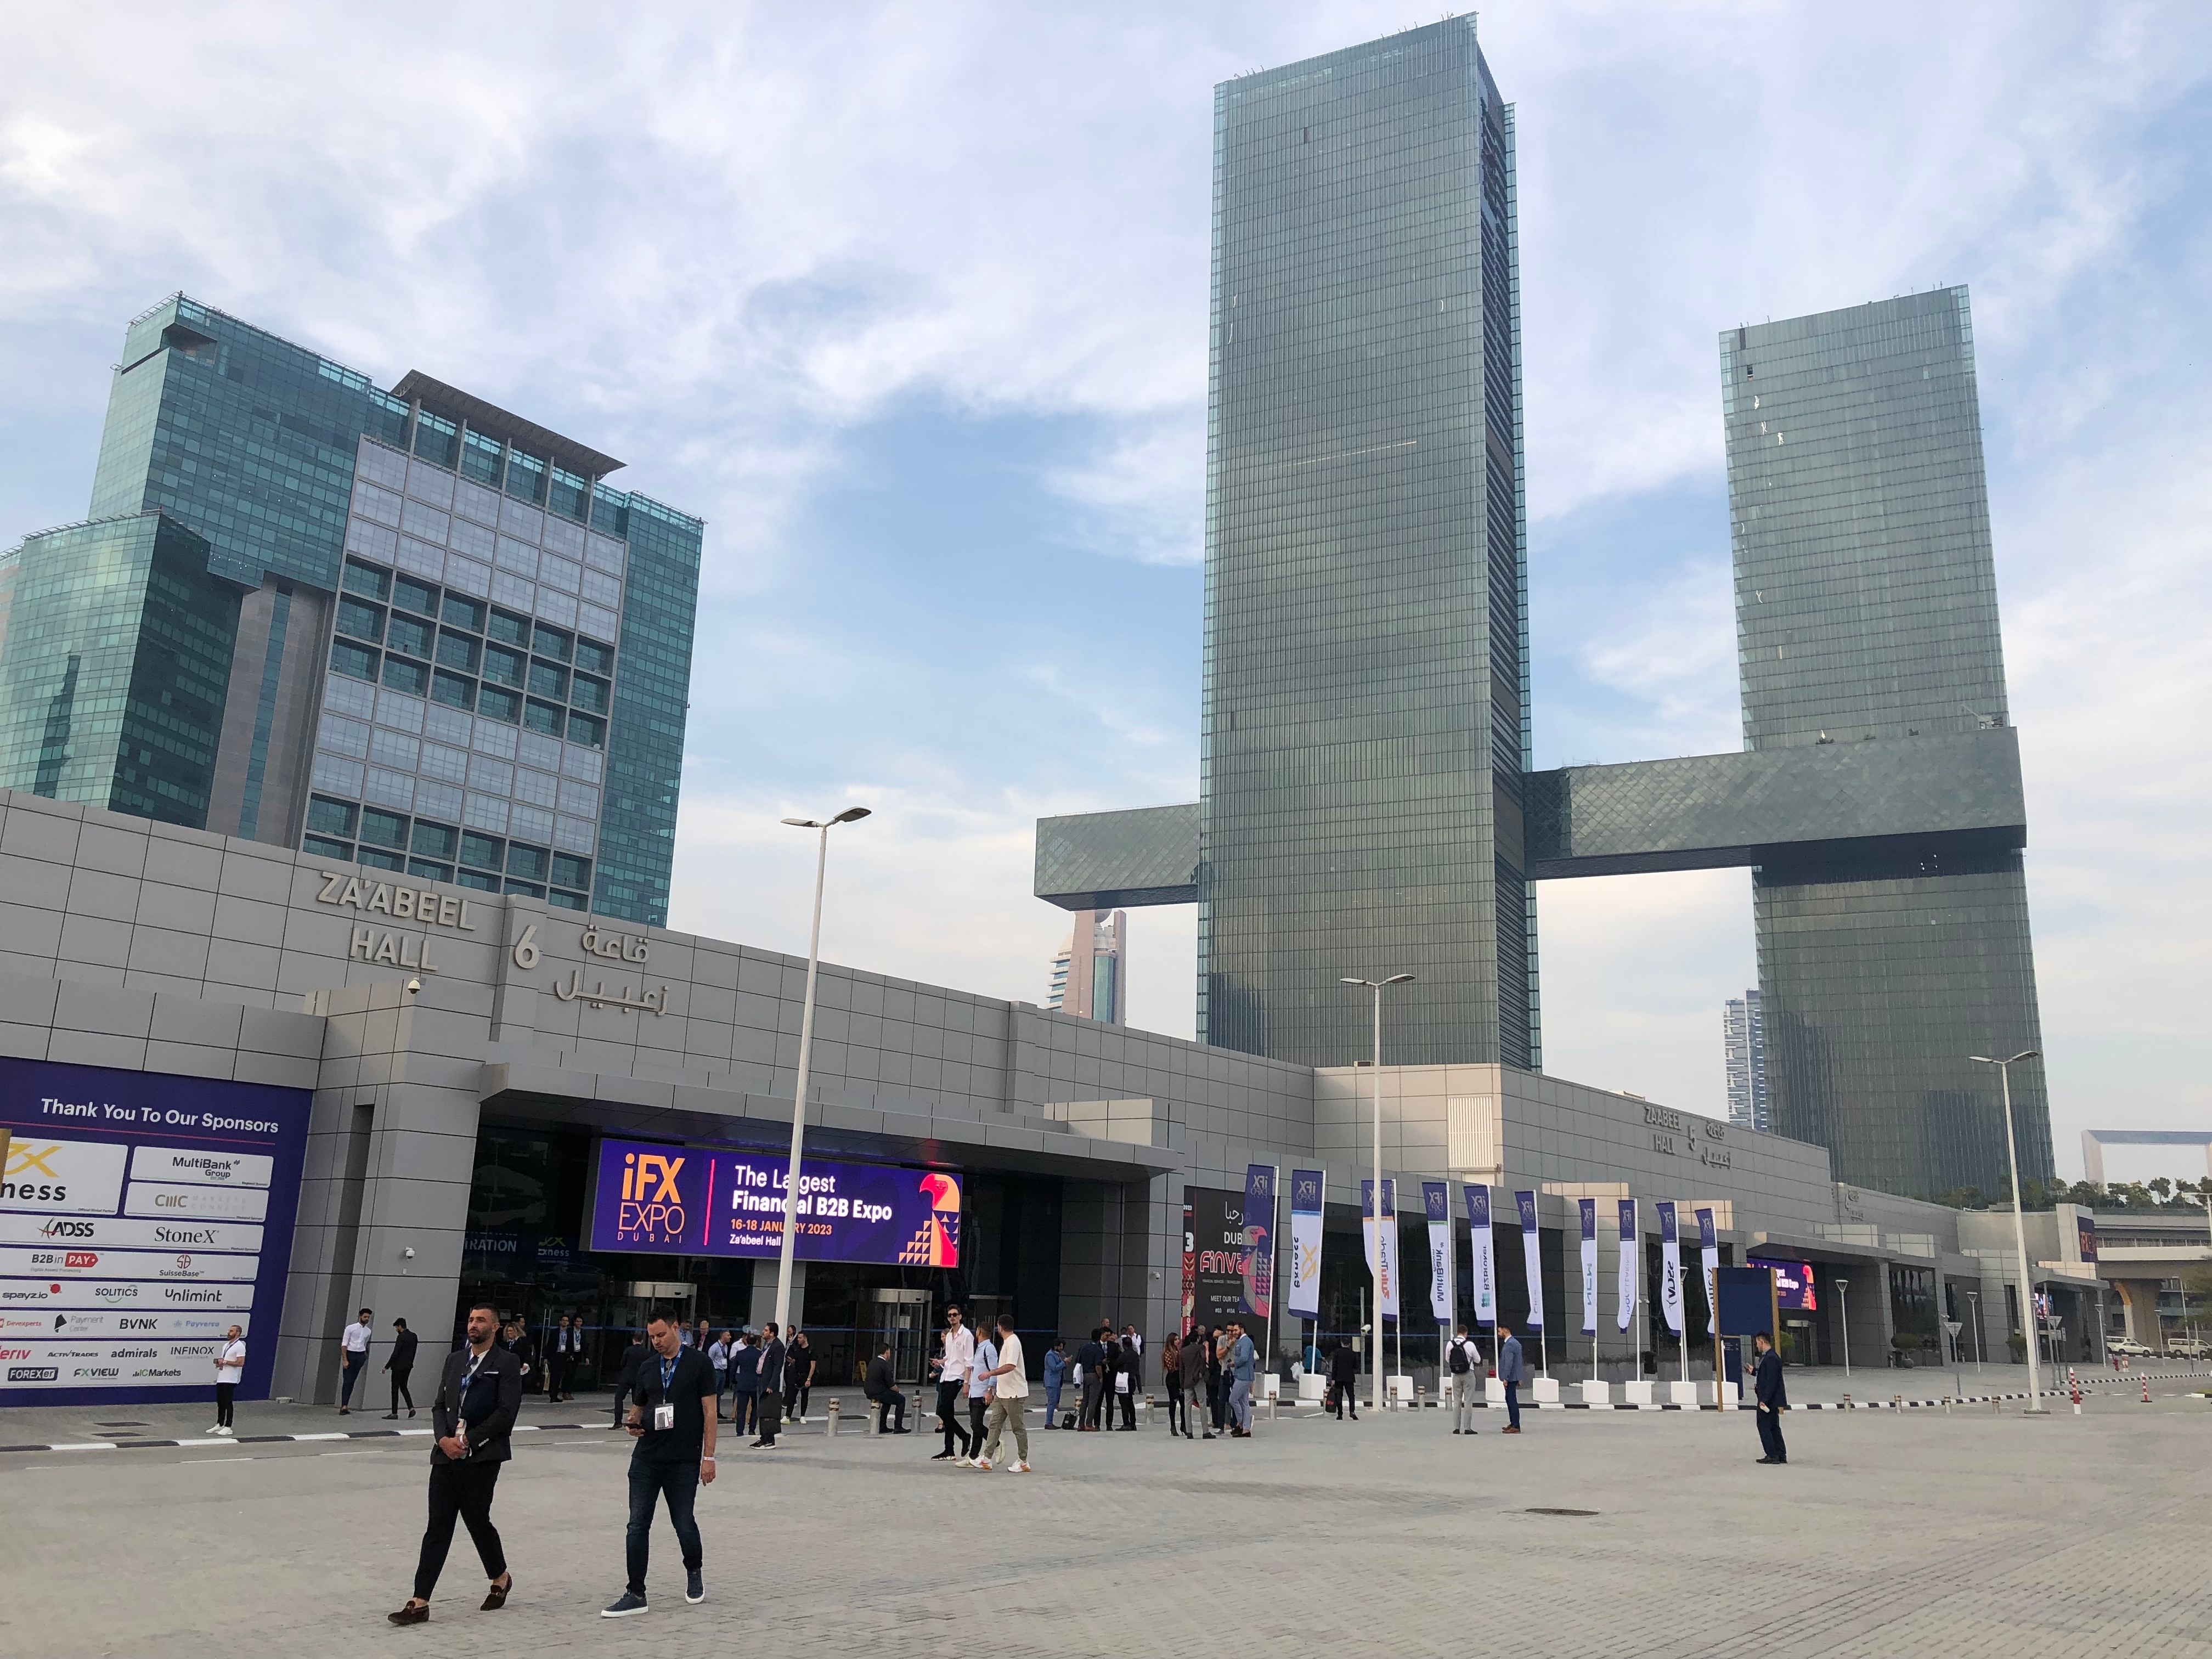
(663, 1414)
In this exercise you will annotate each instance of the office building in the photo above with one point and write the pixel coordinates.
(1743, 1039)
(1089, 976)
(403, 628)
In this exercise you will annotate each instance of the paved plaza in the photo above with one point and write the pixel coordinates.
(1976, 1532)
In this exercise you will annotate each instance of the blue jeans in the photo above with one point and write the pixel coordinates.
(1052, 1406)
(1513, 1405)
(1240, 1404)
(351, 1372)
(648, 1480)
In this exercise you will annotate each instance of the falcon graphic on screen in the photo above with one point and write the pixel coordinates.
(936, 1244)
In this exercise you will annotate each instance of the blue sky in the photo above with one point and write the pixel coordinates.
(910, 304)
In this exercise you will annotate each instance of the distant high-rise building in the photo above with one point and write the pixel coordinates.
(1744, 1035)
(1089, 976)
(404, 629)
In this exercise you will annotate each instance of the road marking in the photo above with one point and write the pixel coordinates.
(193, 1462)
(349, 1454)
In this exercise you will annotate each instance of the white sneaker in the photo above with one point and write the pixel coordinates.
(963, 1462)
(217, 1429)
(983, 1463)
(226, 1431)
(1019, 1469)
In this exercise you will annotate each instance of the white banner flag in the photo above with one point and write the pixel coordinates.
(1670, 1267)
(1532, 1257)
(1486, 1254)
(1589, 1206)
(1436, 1199)
(1631, 1264)
(1709, 1251)
(1386, 1269)
(1308, 1190)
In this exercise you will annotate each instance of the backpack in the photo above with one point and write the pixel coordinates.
(1459, 1362)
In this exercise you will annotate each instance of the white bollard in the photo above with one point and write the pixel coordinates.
(830, 1422)
(1637, 1392)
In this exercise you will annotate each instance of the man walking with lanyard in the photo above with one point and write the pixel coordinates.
(672, 1420)
(479, 1393)
(229, 1367)
(953, 1367)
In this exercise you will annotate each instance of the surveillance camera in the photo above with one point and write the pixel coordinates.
(413, 987)
(409, 1253)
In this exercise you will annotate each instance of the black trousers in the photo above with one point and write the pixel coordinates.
(948, 1413)
(399, 1390)
(1128, 1408)
(892, 1407)
(224, 1392)
(767, 1415)
(463, 1491)
(794, 1398)
(1770, 1436)
(1178, 1413)
(1094, 1395)
(1345, 1396)
(977, 1405)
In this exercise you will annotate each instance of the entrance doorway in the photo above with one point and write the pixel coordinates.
(900, 1317)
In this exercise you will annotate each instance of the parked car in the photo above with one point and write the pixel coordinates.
(2127, 1346)
(2190, 1347)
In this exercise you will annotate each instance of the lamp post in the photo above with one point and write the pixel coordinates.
(850, 815)
(2020, 1227)
(1844, 1307)
(1375, 985)
(1974, 1303)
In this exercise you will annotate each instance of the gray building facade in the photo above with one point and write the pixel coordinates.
(408, 627)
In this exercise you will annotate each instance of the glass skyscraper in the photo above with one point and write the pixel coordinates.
(405, 629)
(1867, 615)
(1743, 1037)
(1365, 724)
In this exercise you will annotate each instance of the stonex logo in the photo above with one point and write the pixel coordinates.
(652, 1205)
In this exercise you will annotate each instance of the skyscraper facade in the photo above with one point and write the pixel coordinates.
(1365, 724)
(403, 628)
(1743, 1042)
(1090, 974)
(1867, 615)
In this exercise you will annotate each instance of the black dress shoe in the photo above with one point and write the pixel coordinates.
(411, 1614)
(496, 1597)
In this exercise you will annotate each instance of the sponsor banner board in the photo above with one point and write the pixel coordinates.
(125, 1293)
(129, 1233)
(191, 1166)
(224, 1203)
(80, 1323)
(78, 1261)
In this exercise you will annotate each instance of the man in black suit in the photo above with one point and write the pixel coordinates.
(1772, 1399)
(479, 1393)
(769, 1416)
(626, 1378)
(1091, 1358)
(401, 1364)
(880, 1386)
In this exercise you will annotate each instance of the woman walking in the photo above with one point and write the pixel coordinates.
(1172, 1377)
(798, 1375)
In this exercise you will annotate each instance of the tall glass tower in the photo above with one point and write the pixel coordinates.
(1365, 710)
(404, 629)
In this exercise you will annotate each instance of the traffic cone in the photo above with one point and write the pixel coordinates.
(2074, 1388)
(2146, 1387)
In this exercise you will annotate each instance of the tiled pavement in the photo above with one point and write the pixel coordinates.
(1889, 1533)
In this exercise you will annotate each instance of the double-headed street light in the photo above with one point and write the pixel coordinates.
(850, 815)
(2018, 1226)
(1375, 985)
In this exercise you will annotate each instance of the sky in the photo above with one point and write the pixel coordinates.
(910, 304)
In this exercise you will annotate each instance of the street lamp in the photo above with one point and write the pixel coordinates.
(1375, 985)
(1974, 1302)
(850, 815)
(2018, 1226)
(1844, 1307)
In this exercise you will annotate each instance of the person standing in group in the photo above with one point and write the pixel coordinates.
(1510, 1372)
(1462, 1363)
(1121, 1366)
(353, 1356)
(1190, 1367)
(634, 1357)
(1090, 1378)
(563, 1350)
(1344, 1379)
(745, 1385)
(479, 1395)
(952, 1365)
(229, 1367)
(526, 1349)
(397, 1367)
(767, 1404)
(718, 1356)
(1171, 1380)
(1055, 1373)
(1135, 1339)
(1009, 1382)
(879, 1384)
(798, 1375)
(1773, 1400)
(672, 1421)
(1217, 1378)
(978, 1391)
(1243, 1361)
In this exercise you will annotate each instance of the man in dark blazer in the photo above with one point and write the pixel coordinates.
(400, 1365)
(1773, 1400)
(479, 1393)
(880, 1386)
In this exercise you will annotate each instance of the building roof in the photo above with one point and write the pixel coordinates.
(495, 422)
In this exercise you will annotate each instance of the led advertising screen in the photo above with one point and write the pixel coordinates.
(141, 1216)
(699, 1200)
(1793, 1283)
(1217, 1254)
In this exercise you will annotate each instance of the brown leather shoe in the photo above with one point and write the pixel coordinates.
(414, 1612)
(495, 1598)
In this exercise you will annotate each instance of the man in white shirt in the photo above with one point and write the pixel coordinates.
(229, 1368)
(353, 1357)
(718, 1356)
(979, 1390)
(952, 1367)
(1463, 1364)
(1009, 1382)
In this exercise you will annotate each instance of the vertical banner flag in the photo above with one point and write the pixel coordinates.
(1382, 1246)
(1532, 1258)
(1631, 1265)
(1590, 1266)
(1309, 1187)
(1670, 1267)
(1435, 1198)
(1259, 1264)
(1709, 1252)
(1486, 1254)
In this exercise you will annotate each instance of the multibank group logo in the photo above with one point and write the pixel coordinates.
(657, 1205)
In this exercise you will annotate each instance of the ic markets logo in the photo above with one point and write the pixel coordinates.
(652, 1210)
